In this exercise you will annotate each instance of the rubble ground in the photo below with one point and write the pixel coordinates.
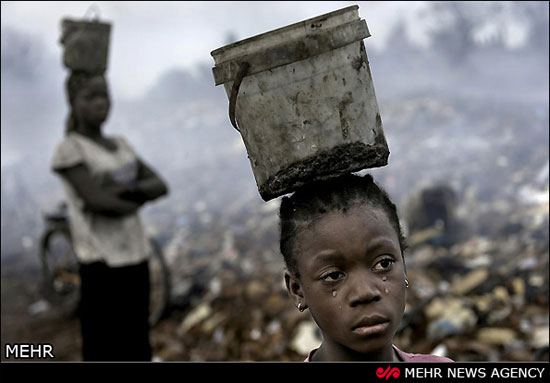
(483, 297)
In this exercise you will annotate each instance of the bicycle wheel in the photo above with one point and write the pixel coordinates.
(159, 284)
(60, 269)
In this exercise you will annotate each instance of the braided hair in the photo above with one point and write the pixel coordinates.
(312, 201)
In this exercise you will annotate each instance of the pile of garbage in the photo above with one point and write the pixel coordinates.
(470, 179)
(477, 262)
(480, 300)
(229, 300)
(481, 281)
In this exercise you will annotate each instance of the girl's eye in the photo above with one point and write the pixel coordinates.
(332, 276)
(384, 265)
(98, 95)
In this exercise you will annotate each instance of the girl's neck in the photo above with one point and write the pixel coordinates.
(330, 352)
(93, 132)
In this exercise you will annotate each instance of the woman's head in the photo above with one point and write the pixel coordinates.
(343, 248)
(88, 97)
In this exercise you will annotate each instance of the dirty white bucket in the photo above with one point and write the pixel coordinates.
(86, 45)
(303, 100)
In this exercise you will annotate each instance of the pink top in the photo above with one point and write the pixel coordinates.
(407, 357)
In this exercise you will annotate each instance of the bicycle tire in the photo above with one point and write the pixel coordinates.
(67, 295)
(60, 275)
(160, 284)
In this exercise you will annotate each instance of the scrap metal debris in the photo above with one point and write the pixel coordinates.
(479, 275)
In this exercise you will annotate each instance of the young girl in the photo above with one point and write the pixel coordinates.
(105, 184)
(343, 249)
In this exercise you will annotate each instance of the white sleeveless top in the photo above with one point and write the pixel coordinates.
(118, 241)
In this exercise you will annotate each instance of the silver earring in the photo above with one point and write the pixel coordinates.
(300, 307)
(406, 283)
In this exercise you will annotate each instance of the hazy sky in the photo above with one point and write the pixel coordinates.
(149, 37)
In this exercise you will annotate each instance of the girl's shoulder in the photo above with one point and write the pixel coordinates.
(409, 357)
(405, 357)
(67, 153)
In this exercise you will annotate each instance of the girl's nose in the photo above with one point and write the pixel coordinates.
(364, 290)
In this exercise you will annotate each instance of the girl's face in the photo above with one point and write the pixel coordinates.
(91, 104)
(352, 279)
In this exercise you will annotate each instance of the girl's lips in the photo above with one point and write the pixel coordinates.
(371, 329)
(371, 325)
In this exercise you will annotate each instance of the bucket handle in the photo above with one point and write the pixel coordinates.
(92, 9)
(243, 69)
(95, 9)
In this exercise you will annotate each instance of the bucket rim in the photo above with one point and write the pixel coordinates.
(66, 21)
(282, 29)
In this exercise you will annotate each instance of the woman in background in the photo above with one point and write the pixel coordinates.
(105, 184)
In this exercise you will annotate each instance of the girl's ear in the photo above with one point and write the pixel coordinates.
(294, 289)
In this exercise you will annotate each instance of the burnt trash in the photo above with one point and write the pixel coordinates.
(431, 217)
(225, 262)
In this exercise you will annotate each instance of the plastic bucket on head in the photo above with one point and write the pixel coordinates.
(303, 100)
(86, 45)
